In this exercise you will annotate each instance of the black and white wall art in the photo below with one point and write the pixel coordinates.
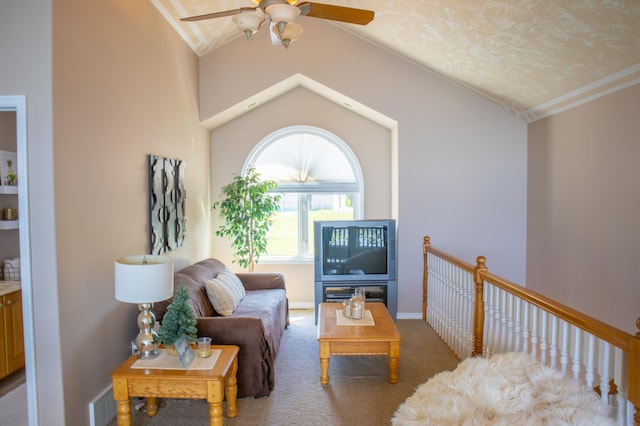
(167, 196)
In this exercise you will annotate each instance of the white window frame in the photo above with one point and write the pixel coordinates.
(304, 189)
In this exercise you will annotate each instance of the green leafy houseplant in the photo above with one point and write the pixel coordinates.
(11, 178)
(178, 320)
(247, 209)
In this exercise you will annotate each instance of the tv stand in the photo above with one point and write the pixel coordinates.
(375, 291)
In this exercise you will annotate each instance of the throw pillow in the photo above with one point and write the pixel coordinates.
(233, 282)
(225, 291)
(223, 300)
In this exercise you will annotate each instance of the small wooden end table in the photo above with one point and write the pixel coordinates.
(382, 338)
(210, 385)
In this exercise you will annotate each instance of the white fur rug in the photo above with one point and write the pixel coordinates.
(506, 389)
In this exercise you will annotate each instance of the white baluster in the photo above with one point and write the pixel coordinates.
(503, 321)
(499, 318)
(525, 328)
(576, 355)
(485, 331)
(452, 308)
(470, 298)
(605, 373)
(534, 331)
(516, 327)
(590, 368)
(455, 312)
(543, 337)
(460, 316)
(510, 321)
(620, 372)
(564, 351)
(553, 347)
(496, 320)
(489, 317)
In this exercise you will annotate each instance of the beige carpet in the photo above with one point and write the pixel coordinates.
(358, 393)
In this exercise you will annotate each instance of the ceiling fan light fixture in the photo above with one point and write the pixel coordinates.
(248, 23)
(290, 34)
(282, 13)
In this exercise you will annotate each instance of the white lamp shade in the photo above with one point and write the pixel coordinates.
(144, 278)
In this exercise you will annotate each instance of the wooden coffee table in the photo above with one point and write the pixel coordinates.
(382, 338)
(150, 383)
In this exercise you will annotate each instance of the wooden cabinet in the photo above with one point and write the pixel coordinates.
(12, 341)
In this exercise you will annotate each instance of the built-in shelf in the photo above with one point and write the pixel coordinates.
(8, 224)
(6, 189)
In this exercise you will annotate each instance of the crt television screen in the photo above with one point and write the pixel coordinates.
(354, 250)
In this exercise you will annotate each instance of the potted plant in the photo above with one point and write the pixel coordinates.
(11, 178)
(177, 321)
(247, 209)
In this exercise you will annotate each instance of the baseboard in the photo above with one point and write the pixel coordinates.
(301, 305)
(103, 408)
(409, 315)
(399, 315)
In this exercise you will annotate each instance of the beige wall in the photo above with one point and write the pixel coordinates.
(583, 235)
(125, 86)
(461, 159)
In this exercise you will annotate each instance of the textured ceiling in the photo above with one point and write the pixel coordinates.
(535, 57)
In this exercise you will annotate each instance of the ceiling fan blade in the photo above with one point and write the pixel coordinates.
(219, 14)
(336, 13)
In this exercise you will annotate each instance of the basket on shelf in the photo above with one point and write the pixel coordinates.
(11, 269)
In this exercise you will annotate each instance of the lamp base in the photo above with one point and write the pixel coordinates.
(147, 339)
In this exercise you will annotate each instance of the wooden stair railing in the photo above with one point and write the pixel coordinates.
(508, 317)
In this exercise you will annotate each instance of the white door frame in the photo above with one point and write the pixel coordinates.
(18, 104)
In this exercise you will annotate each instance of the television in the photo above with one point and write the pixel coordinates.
(355, 250)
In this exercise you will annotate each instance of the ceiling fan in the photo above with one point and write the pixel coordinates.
(280, 14)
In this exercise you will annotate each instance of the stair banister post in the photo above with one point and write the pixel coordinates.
(426, 243)
(478, 317)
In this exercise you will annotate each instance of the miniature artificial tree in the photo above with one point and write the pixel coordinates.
(178, 320)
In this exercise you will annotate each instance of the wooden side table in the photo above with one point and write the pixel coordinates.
(210, 385)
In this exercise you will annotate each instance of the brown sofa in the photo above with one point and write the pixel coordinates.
(256, 325)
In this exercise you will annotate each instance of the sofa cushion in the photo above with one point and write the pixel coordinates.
(271, 307)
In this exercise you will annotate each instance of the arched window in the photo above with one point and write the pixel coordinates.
(318, 177)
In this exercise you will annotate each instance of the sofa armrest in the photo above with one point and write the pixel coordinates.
(256, 374)
(261, 280)
(229, 330)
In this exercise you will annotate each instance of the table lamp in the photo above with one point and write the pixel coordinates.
(144, 279)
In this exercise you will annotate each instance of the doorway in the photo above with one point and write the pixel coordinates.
(17, 105)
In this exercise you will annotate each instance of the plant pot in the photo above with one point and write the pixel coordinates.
(171, 350)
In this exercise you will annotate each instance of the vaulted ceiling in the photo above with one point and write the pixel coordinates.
(535, 57)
